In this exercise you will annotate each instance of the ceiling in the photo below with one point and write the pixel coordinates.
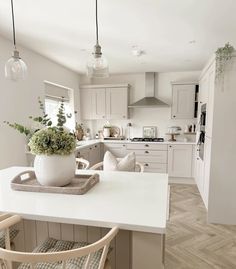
(175, 35)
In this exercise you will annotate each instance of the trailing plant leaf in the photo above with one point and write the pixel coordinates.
(223, 56)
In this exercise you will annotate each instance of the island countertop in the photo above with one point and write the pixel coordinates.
(133, 201)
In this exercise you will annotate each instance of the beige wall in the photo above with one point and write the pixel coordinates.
(18, 100)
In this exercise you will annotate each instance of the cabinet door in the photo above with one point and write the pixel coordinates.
(86, 104)
(203, 90)
(206, 175)
(83, 153)
(180, 160)
(94, 154)
(117, 103)
(99, 103)
(210, 101)
(183, 101)
(118, 150)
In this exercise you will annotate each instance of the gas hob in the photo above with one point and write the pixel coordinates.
(142, 139)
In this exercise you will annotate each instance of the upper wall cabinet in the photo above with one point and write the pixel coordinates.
(104, 102)
(184, 101)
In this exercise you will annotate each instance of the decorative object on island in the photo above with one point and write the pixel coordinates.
(53, 146)
(15, 68)
(26, 181)
(149, 131)
(173, 131)
(223, 56)
(97, 65)
(79, 131)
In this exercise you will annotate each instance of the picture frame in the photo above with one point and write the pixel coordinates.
(149, 131)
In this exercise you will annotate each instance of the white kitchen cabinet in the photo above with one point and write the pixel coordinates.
(210, 101)
(117, 149)
(104, 102)
(91, 153)
(180, 160)
(116, 103)
(203, 89)
(199, 173)
(99, 103)
(183, 101)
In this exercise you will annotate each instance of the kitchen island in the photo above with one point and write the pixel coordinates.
(135, 202)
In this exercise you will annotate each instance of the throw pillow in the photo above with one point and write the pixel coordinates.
(111, 163)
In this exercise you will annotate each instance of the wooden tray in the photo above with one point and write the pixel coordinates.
(26, 181)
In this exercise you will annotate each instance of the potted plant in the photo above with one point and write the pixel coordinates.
(53, 146)
(107, 130)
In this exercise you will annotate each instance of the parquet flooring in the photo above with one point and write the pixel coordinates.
(191, 243)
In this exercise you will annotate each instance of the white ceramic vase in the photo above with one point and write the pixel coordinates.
(54, 170)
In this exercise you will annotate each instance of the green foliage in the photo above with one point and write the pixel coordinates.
(223, 56)
(52, 140)
(43, 120)
(47, 139)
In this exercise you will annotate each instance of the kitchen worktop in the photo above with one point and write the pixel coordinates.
(84, 144)
(133, 201)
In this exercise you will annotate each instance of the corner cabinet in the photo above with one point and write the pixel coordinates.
(104, 102)
(184, 100)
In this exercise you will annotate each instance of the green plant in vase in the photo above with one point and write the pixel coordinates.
(53, 146)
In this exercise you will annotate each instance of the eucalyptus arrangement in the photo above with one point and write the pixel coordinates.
(53, 146)
(45, 138)
(223, 56)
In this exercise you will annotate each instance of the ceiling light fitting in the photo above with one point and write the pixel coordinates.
(15, 68)
(137, 52)
(97, 66)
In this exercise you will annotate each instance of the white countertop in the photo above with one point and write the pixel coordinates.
(84, 144)
(133, 201)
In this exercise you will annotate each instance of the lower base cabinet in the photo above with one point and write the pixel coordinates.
(180, 161)
(91, 154)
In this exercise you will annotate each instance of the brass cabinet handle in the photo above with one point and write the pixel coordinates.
(146, 151)
(146, 164)
(146, 145)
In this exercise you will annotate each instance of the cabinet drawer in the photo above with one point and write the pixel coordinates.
(107, 146)
(155, 167)
(157, 156)
(144, 146)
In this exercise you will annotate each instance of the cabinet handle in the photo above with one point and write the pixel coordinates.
(124, 117)
(146, 145)
(90, 148)
(95, 146)
(123, 145)
(146, 164)
(174, 116)
(170, 146)
(146, 151)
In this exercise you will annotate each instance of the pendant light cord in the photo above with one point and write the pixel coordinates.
(13, 24)
(96, 21)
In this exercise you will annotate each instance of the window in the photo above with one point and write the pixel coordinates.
(53, 95)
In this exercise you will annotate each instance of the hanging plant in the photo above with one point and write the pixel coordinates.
(223, 56)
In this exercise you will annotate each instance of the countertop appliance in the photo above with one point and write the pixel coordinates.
(147, 139)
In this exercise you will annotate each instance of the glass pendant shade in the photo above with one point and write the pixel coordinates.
(15, 68)
(97, 67)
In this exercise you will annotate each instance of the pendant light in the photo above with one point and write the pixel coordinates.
(15, 68)
(97, 65)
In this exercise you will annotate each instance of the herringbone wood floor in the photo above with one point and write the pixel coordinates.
(191, 243)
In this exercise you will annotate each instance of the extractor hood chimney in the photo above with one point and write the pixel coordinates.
(149, 100)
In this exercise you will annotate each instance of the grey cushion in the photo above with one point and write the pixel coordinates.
(53, 245)
(13, 233)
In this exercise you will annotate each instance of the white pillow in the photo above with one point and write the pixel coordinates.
(110, 163)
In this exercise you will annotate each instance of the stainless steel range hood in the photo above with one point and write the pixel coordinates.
(149, 100)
